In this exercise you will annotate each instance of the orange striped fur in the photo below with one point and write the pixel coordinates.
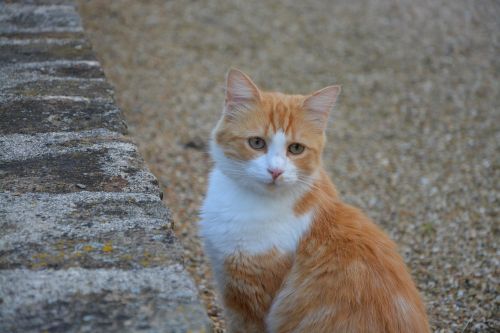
(344, 274)
(347, 276)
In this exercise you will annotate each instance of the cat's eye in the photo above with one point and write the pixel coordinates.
(256, 143)
(296, 148)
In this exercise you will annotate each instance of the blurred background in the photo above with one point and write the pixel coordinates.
(414, 140)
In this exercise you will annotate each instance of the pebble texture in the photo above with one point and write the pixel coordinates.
(86, 244)
(414, 141)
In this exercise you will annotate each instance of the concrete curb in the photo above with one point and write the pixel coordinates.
(86, 243)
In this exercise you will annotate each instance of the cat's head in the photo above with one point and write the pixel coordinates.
(270, 141)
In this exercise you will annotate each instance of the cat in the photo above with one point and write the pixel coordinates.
(287, 254)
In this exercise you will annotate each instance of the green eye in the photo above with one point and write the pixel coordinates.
(256, 143)
(296, 148)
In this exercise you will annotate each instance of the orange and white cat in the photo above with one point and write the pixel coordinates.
(287, 254)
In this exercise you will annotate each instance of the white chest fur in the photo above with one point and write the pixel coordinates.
(236, 219)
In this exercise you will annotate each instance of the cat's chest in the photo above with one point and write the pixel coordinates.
(237, 220)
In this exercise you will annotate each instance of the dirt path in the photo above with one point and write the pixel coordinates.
(414, 141)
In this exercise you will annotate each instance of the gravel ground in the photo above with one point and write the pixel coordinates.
(414, 141)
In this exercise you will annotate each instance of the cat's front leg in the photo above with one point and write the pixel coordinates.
(250, 283)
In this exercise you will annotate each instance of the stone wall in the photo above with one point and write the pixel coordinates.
(85, 243)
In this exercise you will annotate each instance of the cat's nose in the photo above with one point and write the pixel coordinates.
(275, 173)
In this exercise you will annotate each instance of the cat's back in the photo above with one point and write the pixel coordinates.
(347, 277)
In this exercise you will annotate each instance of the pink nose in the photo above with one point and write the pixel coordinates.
(275, 173)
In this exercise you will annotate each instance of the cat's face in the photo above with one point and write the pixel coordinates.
(271, 141)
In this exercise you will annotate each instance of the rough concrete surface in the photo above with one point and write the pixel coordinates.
(64, 115)
(86, 244)
(102, 300)
(56, 162)
(86, 229)
(414, 140)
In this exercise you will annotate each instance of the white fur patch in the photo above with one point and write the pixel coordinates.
(276, 153)
(235, 218)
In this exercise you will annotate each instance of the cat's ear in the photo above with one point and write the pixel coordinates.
(319, 104)
(241, 92)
